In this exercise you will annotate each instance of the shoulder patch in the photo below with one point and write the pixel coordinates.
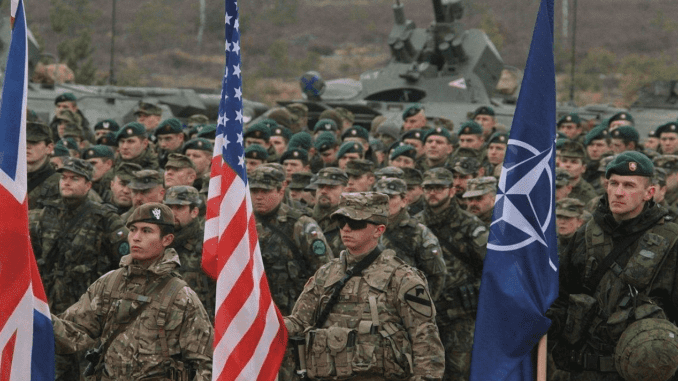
(419, 300)
(123, 249)
(318, 247)
(478, 230)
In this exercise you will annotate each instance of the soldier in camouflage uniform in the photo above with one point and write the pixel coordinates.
(382, 325)
(170, 137)
(42, 181)
(570, 216)
(188, 237)
(571, 157)
(102, 160)
(145, 322)
(463, 238)
(120, 194)
(415, 193)
(75, 241)
(360, 176)
(479, 197)
(412, 242)
(619, 268)
(147, 186)
(134, 147)
(331, 183)
(670, 164)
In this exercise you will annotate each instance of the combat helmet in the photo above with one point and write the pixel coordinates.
(647, 350)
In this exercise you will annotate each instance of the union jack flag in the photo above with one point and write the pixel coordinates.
(26, 335)
(250, 336)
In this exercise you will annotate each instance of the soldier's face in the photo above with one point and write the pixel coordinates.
(437, 147)
(652, 143)
(170, 142)
(566, 226)
(329, 156)
(669, 143)
(183, 215)
(346, 158)
(149, 121)
(300, 195)
(459, 183)
(437, 195)
(571, 130)
(131, 147)
(261, 142)
(486, 122)
(252, 164)
(396, 203)
(574, 165)
(328, 196)
(179, 176)
(597, 148)
(362, 183)
(36, 152)
(67, 105)
(293, 166)
(265, 201)
(145, 241)
(418, 120)
(279, 144)
(403, 161)
(418, 144)
(563, 192)
(73, 185)
(471, 141)
(101, 166)
(660, 193)
(144, 196)
(496, 153)
(480, 204)
(122, 195)
(359, 241)
(627, 195)
(201, 159)
(618, 146)
(413, 193)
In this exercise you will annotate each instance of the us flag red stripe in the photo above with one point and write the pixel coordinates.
(250, 336)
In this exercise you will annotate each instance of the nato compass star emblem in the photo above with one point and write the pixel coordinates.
(523, 209)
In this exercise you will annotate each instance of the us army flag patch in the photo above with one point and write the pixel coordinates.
(418, 299)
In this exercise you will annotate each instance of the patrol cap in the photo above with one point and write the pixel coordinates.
(152, 213)
(302, 140)
(349, 147)
(499, 138)
(177, 160)
(282, 116)
(412, 110)
(465, 165)
(389, 128)
(666, 127)
(563, 177)
(621, 116)
(627, 133)
(98, 151)
(389, 171)
(169, 126)
(438, 131)
(77, 166)
(125, 171)
(325, 125)
(255, 151)
(604, 162)
(359, 167)
(295, 154)
(147, 108)
(345, 114)
(332, 176)
(182, 195)
(300, 180)
(569, 118)
(667, 162)
(197, 119)
(483, 110)
(470, 128)
(266, 177)
(569, 207)
(412, 176)
(438, 176)
(107, 140)
(131, 129)
(65, 97)
(108, 125)
(208, 132)
(572, 149)
(331, 114)
(71, 130)
(404, 150)
(277, 166)
(630, 163)
(480, 186)
(391, 185)
(326, 140)
(38, 132)
(364, 206)
(67, 116)
(356, 132)
(60, 150)
(285, 132)
(146, 179)
(259, 131)
(313, 185)
(198, 144)
(659, 176)
(598, 132)
(413, 134)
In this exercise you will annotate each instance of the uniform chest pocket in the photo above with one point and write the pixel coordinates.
(645, 260)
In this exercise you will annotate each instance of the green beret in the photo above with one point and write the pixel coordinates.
(404, 150)
(147, 108)
(295, 154)
(65, 97)
(325, 125)
(359, 167)
(198, 144)
(569, 118)
(208, 132)
(300, 180)
(666, 127)
(302, 140)
(60, 150)
(627, 133)
(349, 147)
(98, 151)
(70, 143)
(125, 171)
(77, 166)
(146, 179)
(182, 195)
(107, 140)
(621, 116)
(38, 132)
(108, 125)
(177, 160)
(412, 110)
(255, 151)
(370, 206)
(598, 132)
(258, 131)
(153, 213)
(389, 171)
(131, 129)
(391, 185)
(331, 114)
(470, 128)
(326, 140)
(438, 176)
(332, 176)
(499, 138)
(285, 132)
(356, 132)
(483, 110)
(169, 126)
(412, 176)
(439, 131)
(630, 163)
(652, 134)
(414, 134)
(266, 177)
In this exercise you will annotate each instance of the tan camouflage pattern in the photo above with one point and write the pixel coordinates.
(371, 206)
(569, 207)
(266, 177)
(182, 195)
(437, 176)
(480, 186)
(329, 227)
(648, 350)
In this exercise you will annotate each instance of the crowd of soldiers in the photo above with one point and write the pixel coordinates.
(403, 208)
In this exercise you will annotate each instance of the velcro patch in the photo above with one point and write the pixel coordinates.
(418, 299)
(319, 247)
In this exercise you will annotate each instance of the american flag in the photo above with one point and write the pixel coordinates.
(26, 335)
(250, 336)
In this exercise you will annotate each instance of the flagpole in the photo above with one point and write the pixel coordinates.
(541, 359)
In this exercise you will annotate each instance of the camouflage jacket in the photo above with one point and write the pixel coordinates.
(188, 244)
(103, 186)
(486, 217)
(583, 191)
(287, 268)
(393, 293)
(415, 244)
(43, 185)
(137, 351)
(417, 206)
(75, 246)
(330, 228)
(147, 160)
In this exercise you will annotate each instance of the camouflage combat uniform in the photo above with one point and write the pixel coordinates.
(330, 228)
(583, 191)
(148, 159)
(43, 185)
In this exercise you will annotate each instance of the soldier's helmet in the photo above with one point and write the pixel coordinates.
(647, 350)
(364, 206)
(153, 213)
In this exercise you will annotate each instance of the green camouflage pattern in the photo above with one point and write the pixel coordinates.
(329, 227)
(77, 166)
(480, 186)
(182, 195)
(43, 186)
(583, 191)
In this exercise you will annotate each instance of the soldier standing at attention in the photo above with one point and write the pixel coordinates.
(134, 147)
(144, 321)
(479, 197)
(618, 283)
(367, 314)
(43, 181)
(331, 183)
